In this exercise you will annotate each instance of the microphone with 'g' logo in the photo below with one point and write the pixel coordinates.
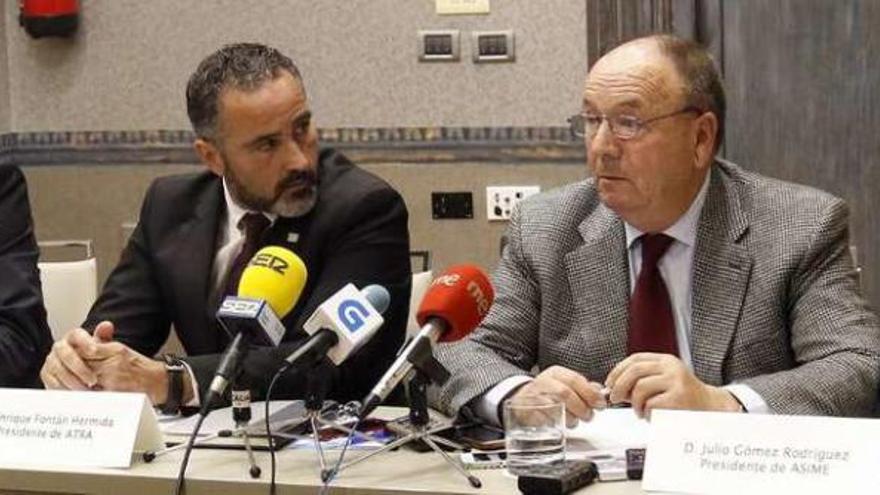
(341, 325)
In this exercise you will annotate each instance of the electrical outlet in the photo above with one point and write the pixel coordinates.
(500, 200)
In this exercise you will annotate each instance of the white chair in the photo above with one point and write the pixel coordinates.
(420, 283)
(69, 287)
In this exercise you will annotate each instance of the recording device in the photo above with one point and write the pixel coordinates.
(557, 479)
(454, 305)
(635, 463)
(479, 436)
(341, 325)
(269, 287)
(241, 407)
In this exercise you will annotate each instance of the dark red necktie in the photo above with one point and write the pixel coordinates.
(651, 324)
(254, 225)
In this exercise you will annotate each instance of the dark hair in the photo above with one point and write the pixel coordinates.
(698, 71)
(242, 66)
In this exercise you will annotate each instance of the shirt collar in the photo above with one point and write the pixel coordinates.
(684, 229)
(235, 212)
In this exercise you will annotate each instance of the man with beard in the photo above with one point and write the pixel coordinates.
(267, 184)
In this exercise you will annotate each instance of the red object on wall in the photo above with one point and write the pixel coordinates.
(49, 17)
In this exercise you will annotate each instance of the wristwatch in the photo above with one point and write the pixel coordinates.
(175, 369)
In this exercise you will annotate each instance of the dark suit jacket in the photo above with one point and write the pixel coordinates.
(25, 338)
(357, 232)
(776, 304)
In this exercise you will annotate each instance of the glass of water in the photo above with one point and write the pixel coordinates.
(534, 432)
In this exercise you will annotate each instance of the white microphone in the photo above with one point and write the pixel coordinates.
(341, 325)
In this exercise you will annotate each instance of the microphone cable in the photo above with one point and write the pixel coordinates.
(326, 476)
(269, 438)
(178, 489)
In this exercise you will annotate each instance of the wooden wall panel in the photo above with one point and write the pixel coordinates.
(803, 82)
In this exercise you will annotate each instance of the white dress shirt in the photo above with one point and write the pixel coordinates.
(676, 269)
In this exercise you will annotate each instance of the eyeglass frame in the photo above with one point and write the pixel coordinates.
(643, 124)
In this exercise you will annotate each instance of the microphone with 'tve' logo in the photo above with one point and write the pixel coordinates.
(454, 305)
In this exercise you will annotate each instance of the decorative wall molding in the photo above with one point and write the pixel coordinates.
(404, 144)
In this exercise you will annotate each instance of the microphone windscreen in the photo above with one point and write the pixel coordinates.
(275, 275)
(378, 297)
(461, 297)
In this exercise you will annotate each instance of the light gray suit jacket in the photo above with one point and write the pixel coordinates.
(776, 303)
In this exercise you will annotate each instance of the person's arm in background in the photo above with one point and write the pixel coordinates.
(25, 338)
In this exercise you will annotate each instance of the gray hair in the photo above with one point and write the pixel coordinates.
(698, 71)
(243, 66)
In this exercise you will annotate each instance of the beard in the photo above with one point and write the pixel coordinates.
(294, 196)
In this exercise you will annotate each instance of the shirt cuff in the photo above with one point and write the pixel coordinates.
(196, 400)
(751, 401)
(487, 405)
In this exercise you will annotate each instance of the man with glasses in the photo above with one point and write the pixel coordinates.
(670, 278)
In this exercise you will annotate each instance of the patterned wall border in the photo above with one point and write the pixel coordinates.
(410, 144)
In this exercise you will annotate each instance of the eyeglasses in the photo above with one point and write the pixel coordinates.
(622, 126)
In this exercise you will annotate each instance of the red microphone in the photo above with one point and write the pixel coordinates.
(460, 298)
(454, 305)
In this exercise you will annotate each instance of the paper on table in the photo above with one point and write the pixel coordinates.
(611, 431)
(281, 412)
(333, 439)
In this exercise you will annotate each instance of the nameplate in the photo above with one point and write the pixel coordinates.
(701, 452)
(85, 429)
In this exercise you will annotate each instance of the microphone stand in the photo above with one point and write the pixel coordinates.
(428, 370)
(241, 415)
(316, 391)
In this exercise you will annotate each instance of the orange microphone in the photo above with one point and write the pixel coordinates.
(454, 305)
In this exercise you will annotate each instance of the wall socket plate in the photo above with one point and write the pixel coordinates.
(493, 46)
(500, 200)
(439, 45)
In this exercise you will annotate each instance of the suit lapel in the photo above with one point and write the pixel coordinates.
(599, 281)
(195, 247)
(722, 267)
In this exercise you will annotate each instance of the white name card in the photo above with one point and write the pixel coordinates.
(86, 429)
(709, 453)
